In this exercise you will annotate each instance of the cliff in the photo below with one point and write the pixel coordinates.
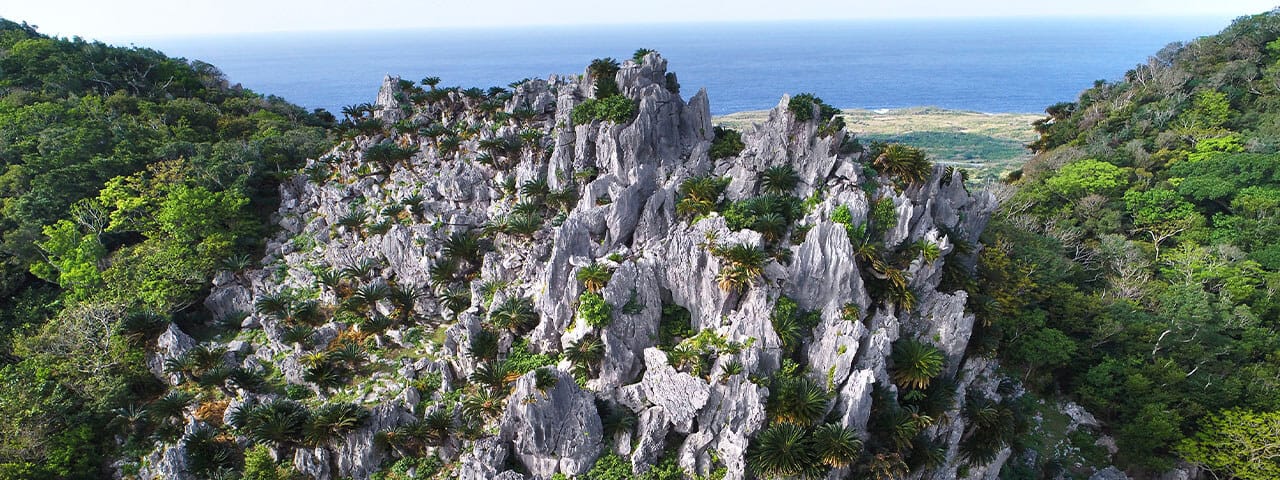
(443, 269)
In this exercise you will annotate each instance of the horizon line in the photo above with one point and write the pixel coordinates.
(130, 38)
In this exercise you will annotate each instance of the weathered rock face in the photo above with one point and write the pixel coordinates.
(171, 344)
(683, 358)
(553, 430)
(487, 457)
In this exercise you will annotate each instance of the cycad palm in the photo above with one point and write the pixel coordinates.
(699, 195)
(368, 296)
(465, 246)
(437, 426)
(404, 298)
(281, 422)
(915, 363)
(798, 400)
(779, 179)
(783, 450)
(456, 299)
(836, 445)
(515, 314)
(482, 404)
(743, 264)
(275, 305)
(594, 276)
(443, 272)
(333, 420)
(584, 355)
(535, 189)
(771, 226)
(903, 162)
(491, 374)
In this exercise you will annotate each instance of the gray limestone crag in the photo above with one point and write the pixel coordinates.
(487, 457)
(171, 344)
(547, 197)
(678, 394)
(553, 431)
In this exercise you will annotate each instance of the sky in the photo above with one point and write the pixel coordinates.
(126, 20)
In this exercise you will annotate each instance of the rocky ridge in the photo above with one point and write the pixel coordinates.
(486, 207)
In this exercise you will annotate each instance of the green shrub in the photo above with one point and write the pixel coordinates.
(422, 468)
(843, 216)
(674, 326)
(884, 215)
(520, 360)
(258, 465)
(802, 107)
(1228, 440)
(613, 467)
(614, 108)
(1086, 176)
(593, 308)
(727, 143)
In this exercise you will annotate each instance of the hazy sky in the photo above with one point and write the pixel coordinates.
(125, 20)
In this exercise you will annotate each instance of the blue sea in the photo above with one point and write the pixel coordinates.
(1005, 65)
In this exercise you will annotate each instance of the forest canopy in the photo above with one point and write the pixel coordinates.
(126, 179)
(1141, 238)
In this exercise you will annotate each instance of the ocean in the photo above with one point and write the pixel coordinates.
(988, 65)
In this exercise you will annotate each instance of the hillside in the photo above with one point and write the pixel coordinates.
(987, 144)
(1143, 261)
(127, 179)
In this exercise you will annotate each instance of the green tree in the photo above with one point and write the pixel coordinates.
(1161, 213)
(1086, 176)
(1237, 444)
(1209, 111)
(73, 258)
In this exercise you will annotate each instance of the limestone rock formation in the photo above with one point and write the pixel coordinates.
(516, 286)
(556, 429)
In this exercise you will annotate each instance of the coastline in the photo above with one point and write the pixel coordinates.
(988, 143)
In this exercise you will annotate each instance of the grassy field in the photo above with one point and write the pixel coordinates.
(989, 144)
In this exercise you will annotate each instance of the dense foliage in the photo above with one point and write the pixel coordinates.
(806, 107)
(1135, 266)
(727, 143)
(126, 178)
(608, 103)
